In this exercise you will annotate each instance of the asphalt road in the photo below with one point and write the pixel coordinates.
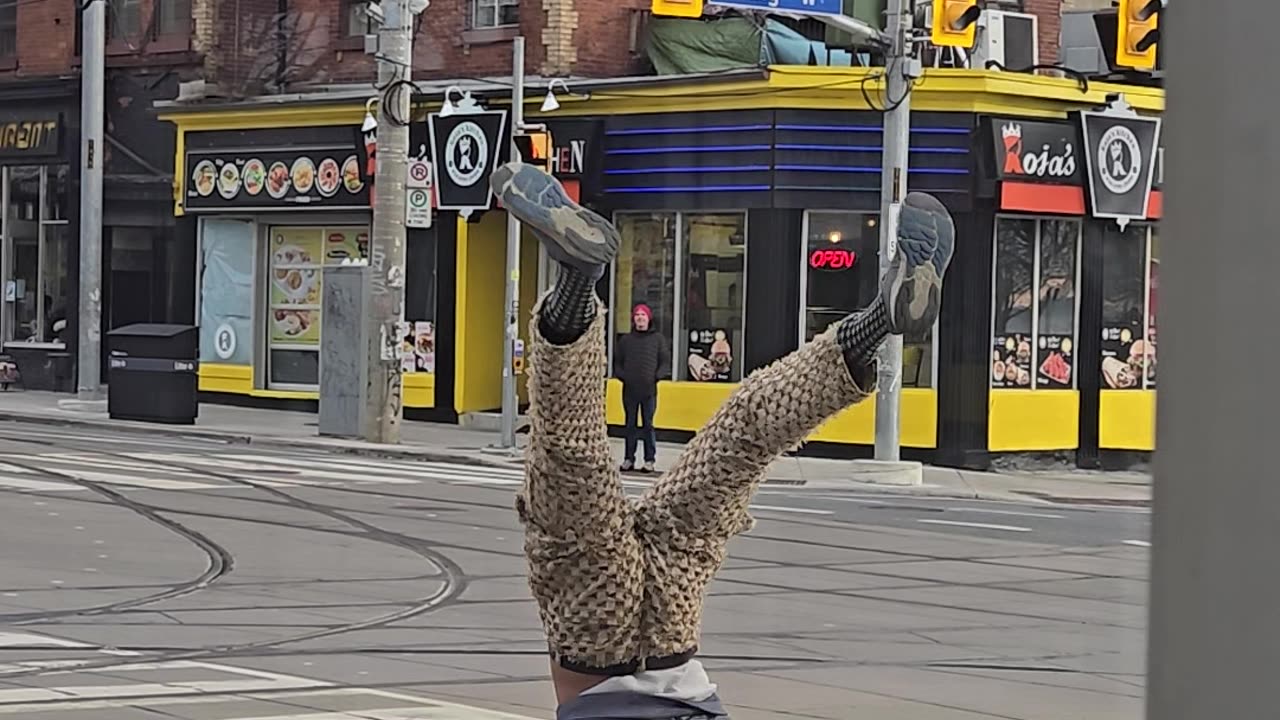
(156, 577)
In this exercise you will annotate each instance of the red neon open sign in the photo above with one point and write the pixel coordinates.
(832, 259)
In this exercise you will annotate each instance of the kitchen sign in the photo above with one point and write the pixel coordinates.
(28, 135)
(1121, 149)
(1037, 151)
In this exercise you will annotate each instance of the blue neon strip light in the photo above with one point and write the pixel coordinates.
(835, 168)
(693, 149)
(871, 148)
(679, 131)
(715, 169)
(694, 189)
(875, 129)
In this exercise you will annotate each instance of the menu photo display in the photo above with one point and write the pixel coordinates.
(1127, 358)
(1011, 361)
(274, 178)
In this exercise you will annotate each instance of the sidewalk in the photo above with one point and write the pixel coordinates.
(450, 443)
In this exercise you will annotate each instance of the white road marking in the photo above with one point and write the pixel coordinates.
(11, 639)
(837, 498)
(23, 701)
(173, 687)
(1015, 513)
(1138, 543)
(13, 483)
(980, 526)
(800, 511)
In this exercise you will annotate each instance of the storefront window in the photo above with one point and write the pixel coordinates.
(1153, 287)
(1034, 308)
(841, 267)
(418, 350)
(702, 314)
(646, 270)
(714, 273)
(296, 256)
(1129, 284)
(37, 287)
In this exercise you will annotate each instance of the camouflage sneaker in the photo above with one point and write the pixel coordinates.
(912, 289)
(572, 234)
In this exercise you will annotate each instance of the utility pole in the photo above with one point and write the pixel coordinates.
(92, 86)
(510, 404)
(1214, 633)
(893, 188)
(387, 241)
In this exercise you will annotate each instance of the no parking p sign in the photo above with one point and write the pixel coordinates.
(418, 194)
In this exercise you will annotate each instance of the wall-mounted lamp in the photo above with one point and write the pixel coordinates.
(551, 103)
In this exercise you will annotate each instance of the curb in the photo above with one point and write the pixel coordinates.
(338, 446)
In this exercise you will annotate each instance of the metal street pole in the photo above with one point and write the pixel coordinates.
(1214, 633)
(92, 86)
(893, 188)
(387, 241)
(510, 405)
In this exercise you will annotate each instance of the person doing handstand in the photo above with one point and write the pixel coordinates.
(620, 583)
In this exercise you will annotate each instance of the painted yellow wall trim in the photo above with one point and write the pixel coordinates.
(1127, 420)
(1033, 420)
(419, 388)
(234, 379)
(687, 406)
(783, 86)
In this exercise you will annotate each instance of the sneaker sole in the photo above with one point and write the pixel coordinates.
(573, 234)
(913, 293)
(916, 298)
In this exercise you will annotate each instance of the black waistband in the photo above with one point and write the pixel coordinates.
(632, 667)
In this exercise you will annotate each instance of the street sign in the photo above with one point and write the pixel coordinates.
(419, 173)
(797, 7)
(418, 208)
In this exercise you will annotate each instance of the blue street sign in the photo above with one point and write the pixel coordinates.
(798, 7)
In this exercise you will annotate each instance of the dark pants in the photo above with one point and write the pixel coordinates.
(639, 410)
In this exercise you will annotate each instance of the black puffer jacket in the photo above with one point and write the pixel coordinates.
(640, 360)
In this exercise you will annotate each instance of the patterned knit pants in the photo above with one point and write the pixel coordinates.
(618, 581)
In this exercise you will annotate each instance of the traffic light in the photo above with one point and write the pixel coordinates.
(1137, 33)
(955, 23)
(535, 148)
(677, 8)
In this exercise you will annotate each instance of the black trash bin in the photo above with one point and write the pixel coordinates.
(152, 375)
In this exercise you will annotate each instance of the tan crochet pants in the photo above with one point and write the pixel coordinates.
(616, 580)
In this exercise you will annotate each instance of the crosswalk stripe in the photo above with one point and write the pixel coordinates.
(17, 483)
(176, 687)
(226, 694)
(148, 470)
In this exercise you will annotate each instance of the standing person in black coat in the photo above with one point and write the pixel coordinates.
(641, 359)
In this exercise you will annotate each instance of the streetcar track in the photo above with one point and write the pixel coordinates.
(454, 580)
(418, 546)
(220, 560)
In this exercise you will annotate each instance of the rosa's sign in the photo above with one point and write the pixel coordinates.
(1037, 151)
(1047, 161)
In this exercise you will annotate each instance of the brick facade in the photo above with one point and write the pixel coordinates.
(1049, 14)
(237, 44)
(46, 39)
